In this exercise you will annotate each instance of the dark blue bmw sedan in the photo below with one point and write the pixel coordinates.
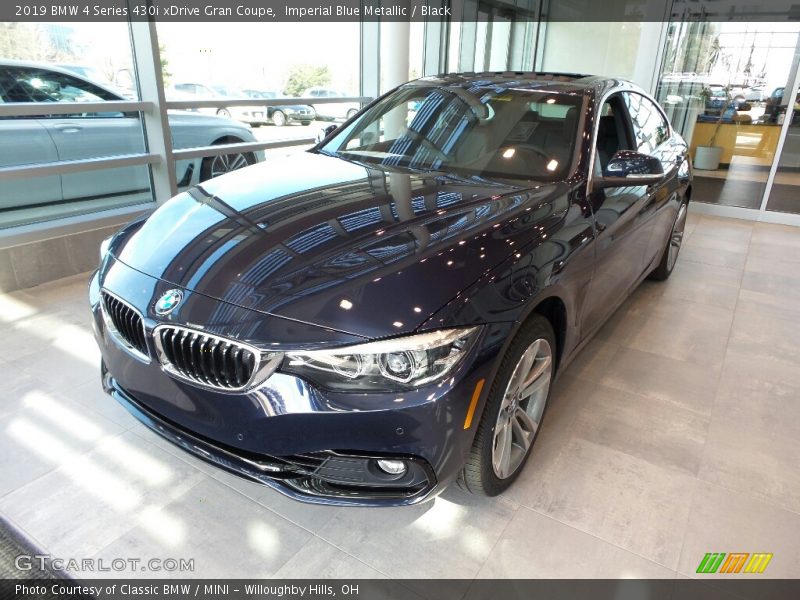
(368, 321)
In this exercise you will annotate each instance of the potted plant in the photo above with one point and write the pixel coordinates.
(707, 158)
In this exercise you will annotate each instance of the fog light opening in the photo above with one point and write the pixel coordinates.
(392, 467)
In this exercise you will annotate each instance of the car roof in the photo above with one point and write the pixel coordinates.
(547, 81)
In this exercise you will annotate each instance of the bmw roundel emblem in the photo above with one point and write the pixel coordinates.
(167, 303)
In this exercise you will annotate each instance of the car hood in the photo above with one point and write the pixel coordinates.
(350, 247)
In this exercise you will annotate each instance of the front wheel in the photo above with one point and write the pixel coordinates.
(214, 166)
(224, 112)
(351, 113)
(514, 411)
(670, 254)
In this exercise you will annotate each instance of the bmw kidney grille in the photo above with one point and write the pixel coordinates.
(125, 324)
(211, 361)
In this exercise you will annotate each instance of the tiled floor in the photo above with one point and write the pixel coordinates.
(675, 433)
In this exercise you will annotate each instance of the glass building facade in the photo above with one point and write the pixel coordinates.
(729, 87)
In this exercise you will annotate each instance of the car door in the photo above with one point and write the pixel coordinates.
(25, 141)
(622, 237)
(323, 110)
(92, 135)
(652, 136)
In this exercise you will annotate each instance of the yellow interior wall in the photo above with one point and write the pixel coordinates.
(758, 142)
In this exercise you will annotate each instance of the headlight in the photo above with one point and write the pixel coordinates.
(386, 365)
(104, 245)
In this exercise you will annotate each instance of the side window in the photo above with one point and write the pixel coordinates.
(612, 133)
(649, 126)
(38, 85)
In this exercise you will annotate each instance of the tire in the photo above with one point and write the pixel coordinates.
(224, 112)
(483, 473)
(279, 118)
(214, 166)
(669, 256)
(305, 123)
(351, 113)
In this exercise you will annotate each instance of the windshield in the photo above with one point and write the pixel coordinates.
(228, 92)
(475, 129)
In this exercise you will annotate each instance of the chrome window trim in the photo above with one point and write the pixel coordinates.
(266, 362)
(115, 334)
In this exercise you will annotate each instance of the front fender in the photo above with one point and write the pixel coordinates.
(558, 264)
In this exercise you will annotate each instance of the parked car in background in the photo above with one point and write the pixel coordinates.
(46, 138)
(367, 322)
(334, 110)
(717, 99)
(285, 113)
(756, 93)
(252, 115)
(775, 106)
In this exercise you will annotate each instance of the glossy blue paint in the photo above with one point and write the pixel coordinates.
(312, 251)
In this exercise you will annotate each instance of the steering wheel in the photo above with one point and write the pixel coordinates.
(534, 150)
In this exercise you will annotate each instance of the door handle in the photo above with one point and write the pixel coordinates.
(67, 128)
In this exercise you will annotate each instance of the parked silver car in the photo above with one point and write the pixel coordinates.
(255, 115)
(332, 110)
(48, 138)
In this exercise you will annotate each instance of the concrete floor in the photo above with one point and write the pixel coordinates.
(675, 433)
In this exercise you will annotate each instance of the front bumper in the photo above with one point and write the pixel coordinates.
(251, 117)
(299, 117)
(321, 477)
(309, 444)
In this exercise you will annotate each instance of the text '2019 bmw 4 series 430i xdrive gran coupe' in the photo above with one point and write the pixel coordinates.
(368, 321)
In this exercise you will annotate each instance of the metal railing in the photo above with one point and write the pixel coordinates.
(45, 109)
(36, 109)
(225, 102)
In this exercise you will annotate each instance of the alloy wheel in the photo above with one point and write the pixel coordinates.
(226, 163)
(676, 237)
(522, 408)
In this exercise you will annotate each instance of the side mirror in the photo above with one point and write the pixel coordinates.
(628, 168)
(325, 132)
